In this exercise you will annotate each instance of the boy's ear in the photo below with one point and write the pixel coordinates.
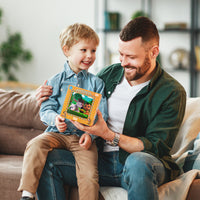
(65, 50)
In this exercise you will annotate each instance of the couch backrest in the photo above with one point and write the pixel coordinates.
(19, 121)
(189, 129)
(19, 110)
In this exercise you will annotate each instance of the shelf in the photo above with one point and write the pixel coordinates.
(191, 32)
(179, 30)
(174, 30)
(160, 30)
(176, 70)
(109, 30)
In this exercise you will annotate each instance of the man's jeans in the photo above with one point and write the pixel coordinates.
(140, 176)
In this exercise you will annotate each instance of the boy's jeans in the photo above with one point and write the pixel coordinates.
(141, 174)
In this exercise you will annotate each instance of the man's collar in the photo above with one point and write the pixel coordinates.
(157, 74)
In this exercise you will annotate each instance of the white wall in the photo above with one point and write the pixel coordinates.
(40, 23)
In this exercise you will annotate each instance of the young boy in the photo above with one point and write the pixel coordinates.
(79, 43)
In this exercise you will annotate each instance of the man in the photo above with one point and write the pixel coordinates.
(145, 106)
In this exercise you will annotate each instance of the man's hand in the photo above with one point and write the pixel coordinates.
(85, 141)
(60, 123)
(99, 129)
(43, 93)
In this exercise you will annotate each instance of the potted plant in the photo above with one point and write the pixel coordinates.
(11, 52)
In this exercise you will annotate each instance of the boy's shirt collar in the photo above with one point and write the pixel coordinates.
(70, 72)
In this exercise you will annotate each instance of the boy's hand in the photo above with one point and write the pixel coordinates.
(60, 123)
(43, 93)
(85, 141)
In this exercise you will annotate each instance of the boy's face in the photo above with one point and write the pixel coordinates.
(81, 55)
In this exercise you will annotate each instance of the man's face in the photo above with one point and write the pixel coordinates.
(134, 59)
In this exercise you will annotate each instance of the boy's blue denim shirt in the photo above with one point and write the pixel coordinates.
(60, 82)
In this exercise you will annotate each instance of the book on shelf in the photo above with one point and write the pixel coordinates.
(80, 105)
(197, 55)
(112, 20)
(175, 25)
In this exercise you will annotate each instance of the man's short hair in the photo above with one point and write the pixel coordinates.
(140, 27)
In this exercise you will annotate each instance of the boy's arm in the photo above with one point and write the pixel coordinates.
(45, 91)
(49, 107)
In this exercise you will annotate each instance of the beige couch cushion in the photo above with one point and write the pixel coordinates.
(19, 121)
(13, 140)
(20, 110)
(10, 173)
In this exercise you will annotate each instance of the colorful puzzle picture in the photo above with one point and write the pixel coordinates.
(80, 105)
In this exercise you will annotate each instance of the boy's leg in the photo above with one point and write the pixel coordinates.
(86, 169)
(60, 170)
(35, 157)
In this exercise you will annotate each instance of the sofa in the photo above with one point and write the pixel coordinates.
(19, 122)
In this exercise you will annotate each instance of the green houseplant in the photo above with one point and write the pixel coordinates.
(11, 53)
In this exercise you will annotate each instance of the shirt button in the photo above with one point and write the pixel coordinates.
(61, 89)
(75, 76)
(78, 85)
(109, 92)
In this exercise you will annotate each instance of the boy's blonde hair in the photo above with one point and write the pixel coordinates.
(76, 32)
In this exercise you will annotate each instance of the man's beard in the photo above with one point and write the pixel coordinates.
(140, 71)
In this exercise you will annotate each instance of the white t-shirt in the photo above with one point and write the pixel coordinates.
(118, 105)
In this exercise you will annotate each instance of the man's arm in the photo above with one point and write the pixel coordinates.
(129, 144)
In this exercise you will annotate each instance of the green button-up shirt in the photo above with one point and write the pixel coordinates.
(154, 114)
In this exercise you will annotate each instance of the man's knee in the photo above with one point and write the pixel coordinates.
(138, 160)
(138, 166)
(141, 166)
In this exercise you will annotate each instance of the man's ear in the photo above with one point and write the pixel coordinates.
(65, 50)
(154, 51)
